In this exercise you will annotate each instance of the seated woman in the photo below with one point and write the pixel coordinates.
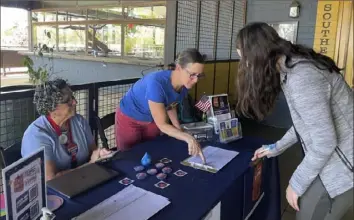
(151, 102)
(65, 135)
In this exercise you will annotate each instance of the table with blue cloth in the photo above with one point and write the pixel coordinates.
(194, 195)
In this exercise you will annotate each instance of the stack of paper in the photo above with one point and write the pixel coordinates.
(216, 159)
(130, 203)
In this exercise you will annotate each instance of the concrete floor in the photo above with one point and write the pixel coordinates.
(14, 79)
(288, 161)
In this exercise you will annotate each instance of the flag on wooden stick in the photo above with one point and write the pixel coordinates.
(204, 104)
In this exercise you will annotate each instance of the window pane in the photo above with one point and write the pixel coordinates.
(76, 15)
(44, 35)
(144, 41)
(147, 12)
(37, 16)
(72, 38)
(14, 29)
(44, 16)
(50, 16)
(62, 15)
(105, 39)
(105, 13)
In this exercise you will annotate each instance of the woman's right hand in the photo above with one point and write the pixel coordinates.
(194, 148)
(261, 152)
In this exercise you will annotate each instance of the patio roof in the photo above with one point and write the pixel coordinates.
(38, 4)
(25, 4)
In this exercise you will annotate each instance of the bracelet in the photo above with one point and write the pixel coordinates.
(271, 146)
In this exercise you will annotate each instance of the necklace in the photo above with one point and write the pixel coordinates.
(62, 135)
(63, 138)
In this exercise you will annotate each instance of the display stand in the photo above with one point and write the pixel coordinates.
(25, 187)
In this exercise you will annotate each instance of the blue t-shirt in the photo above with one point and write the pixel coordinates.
(156, 87)
(41, 134)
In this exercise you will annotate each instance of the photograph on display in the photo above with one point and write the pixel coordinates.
(229, 130)
(25, 188)
(220, 105)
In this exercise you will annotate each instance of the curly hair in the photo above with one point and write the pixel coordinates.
(48, 95)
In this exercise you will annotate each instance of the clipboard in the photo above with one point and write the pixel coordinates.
(199, 166)
(216, 158)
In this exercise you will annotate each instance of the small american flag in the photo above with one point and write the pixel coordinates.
(204, 104)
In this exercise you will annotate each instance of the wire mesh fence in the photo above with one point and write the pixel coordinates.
(108, 100)
(82, 98)
(207, 28)
(15, 116)
(200, 22)
(186, 35)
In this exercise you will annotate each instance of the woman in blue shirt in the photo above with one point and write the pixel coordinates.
(148, 106)
(65, 135)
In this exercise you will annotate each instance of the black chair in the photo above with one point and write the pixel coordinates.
(102, 124)
(10, 154)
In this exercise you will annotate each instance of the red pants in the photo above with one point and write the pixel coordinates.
(129, 131)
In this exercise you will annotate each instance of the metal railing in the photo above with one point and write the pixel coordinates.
(17, 110)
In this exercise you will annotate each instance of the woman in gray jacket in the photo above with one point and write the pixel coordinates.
(321, 107)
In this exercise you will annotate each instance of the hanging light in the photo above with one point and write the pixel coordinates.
(294, 9)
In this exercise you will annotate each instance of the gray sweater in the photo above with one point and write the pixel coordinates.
(321, 107)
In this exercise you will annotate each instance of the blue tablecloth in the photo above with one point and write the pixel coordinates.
(195, 194)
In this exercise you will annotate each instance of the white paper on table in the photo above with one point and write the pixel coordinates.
(215, 157)
(130, 203)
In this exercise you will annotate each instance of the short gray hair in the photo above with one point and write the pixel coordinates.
(48, 95)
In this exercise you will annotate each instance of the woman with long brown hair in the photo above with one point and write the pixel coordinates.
(321, 108)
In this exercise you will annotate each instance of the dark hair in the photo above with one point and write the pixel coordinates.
(190, 55)
(258, 79)
(48, 95)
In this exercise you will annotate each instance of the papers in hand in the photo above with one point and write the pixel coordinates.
(216, 159)
(130, 203)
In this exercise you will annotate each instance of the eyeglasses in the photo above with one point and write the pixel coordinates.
(195, 75)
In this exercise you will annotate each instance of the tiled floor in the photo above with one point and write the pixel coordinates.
(288, 161)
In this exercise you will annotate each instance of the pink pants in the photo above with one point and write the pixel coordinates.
(129, 131)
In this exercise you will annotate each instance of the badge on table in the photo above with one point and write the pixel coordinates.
(161, 185)
(126, 181)
(166, 170)
(141, 176)
(257, 180)
(165, 160)
(159, 165)
(151, 171)
(139, 168)
(180, 173)
(161, 176)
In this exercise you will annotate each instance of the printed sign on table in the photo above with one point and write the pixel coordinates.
(219, 111)
(25, 187)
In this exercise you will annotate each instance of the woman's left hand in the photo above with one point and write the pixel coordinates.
(292, 198)
(103, 152)
(99, 153)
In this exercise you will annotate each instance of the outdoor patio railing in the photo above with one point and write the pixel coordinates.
(17, 110)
